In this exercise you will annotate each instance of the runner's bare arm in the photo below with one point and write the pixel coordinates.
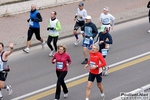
(7, 53)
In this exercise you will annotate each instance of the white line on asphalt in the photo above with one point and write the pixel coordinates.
(78, 77)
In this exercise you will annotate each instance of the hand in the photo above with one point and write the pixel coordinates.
(86, 66)
(79, 16)
(74, 19)
(83, 35)
(48, 28)
(28, 20)
(11, 45)
(52, 28)
(7, 69)
(32, 19)
(67, 64)
(54, 60)
(101, 42)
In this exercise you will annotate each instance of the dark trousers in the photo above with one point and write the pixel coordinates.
(49, 40)
(60, 82)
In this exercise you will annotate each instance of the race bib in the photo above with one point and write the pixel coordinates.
(92, 63)
(30, 22)
(1, 66)
(52, 31)
(87, 41)
(104, 52)
(59, 65)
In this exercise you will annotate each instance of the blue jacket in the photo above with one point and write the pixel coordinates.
(35, 18)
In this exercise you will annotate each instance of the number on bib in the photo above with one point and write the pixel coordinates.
(59, 65)
(104, 52)
(87, 41)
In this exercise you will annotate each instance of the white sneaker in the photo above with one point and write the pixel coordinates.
(66, 95)
(1, 96)
(102, 96)
(77, 42)
(9, 89)
(105, 71)
(26, 50)
(52, 53)
(149, 31)
(43, 44)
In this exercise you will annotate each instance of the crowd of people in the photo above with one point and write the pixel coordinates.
(94, 52)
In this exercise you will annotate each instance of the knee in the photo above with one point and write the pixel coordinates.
(99, 85)
(75, 32)
(48, 43)
(84, 49)
(58, 83)
(88, 87)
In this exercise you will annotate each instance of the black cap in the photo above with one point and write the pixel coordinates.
(81, 4)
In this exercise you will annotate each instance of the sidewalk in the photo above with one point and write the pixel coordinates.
(14, 28)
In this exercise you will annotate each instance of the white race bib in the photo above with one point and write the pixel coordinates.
(104, 52)
(59, 65)
(87, 41)
(1, 66)
(30, 22)
(52, 31)
(92, 63)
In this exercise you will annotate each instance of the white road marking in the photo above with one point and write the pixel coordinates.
(78, 77)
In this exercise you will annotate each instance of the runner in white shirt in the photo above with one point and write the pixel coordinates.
(80, 21)
(107, 19)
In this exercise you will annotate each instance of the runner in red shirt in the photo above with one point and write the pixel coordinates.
(96, 62)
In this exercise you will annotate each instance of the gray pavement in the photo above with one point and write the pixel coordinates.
(34, 71)
(14, 28)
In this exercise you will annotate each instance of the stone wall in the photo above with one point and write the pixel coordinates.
(20, 7)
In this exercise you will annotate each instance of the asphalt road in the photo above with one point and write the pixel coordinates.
(34, 71)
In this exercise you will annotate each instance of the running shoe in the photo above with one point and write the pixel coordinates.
(26, 50)
(148, 31)
(105, 71)
(77, 42)
(1, 98)
(43, 44)
(9, 89)
(65, 95)
(102, 96)
(52, 53)
(85, 62)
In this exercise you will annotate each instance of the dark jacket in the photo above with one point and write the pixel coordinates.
(90, 29)
(107, 38)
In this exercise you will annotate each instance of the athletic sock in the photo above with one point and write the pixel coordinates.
(76, 36)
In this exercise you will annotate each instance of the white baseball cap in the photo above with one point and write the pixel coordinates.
(88, 17)
(106, 8)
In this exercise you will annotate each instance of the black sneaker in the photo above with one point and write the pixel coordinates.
(84, 62)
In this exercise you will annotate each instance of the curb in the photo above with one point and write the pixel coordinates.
(14, 8)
